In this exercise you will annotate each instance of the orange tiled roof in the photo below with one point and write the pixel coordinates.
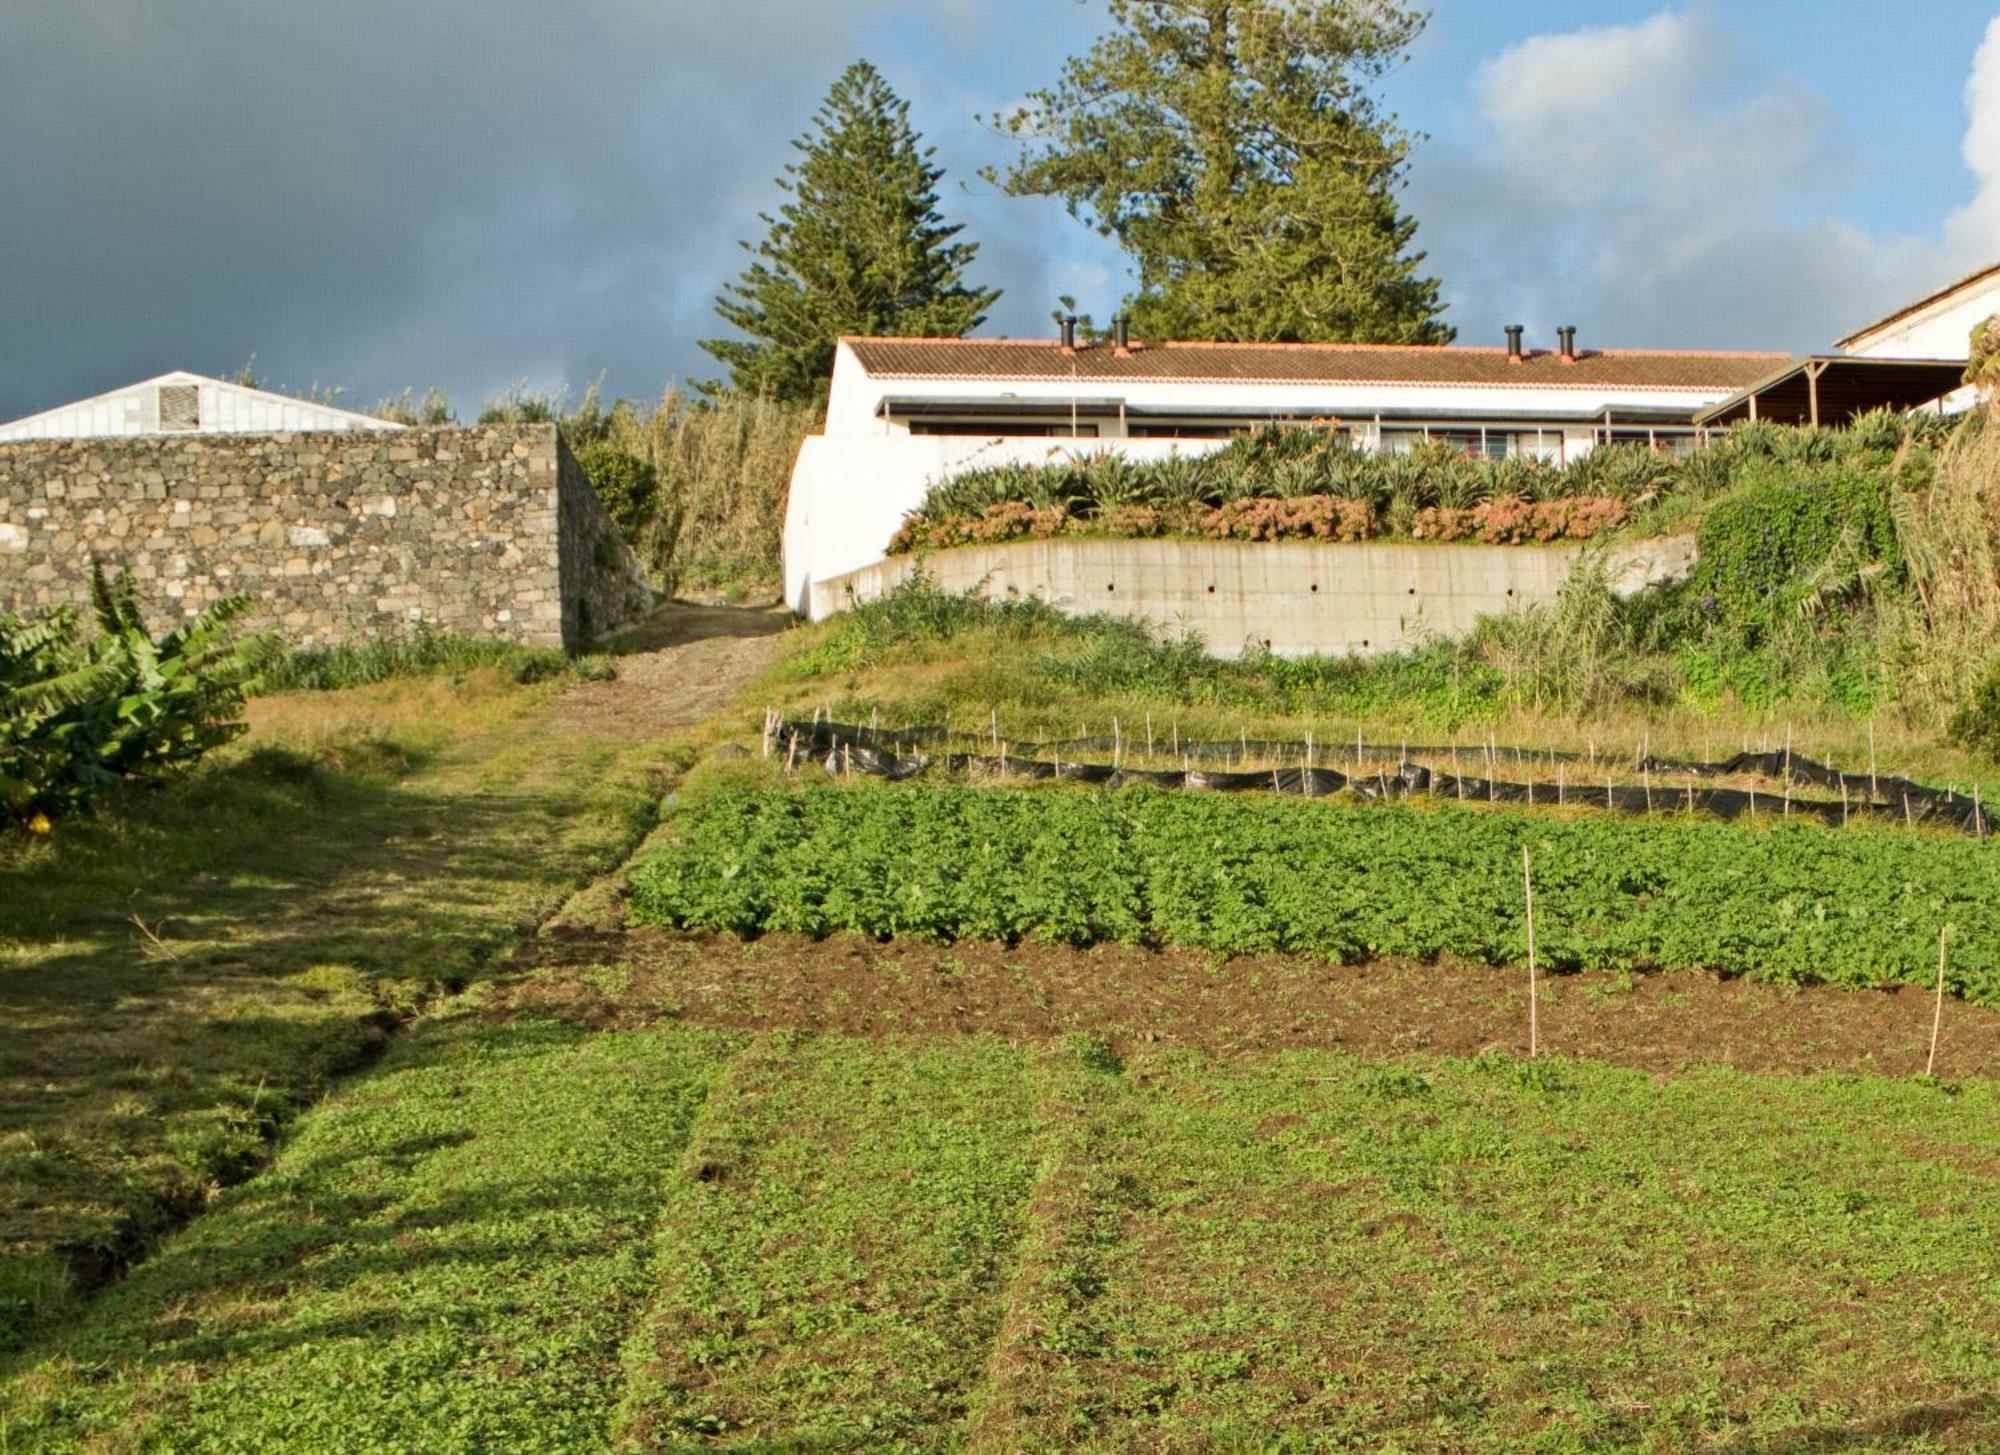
(1228, 363)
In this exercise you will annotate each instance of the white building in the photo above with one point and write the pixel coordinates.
(905, 413)
(184, 403)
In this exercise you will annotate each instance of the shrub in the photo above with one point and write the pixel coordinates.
(77, 716)
(627, 484)
(1976, 725)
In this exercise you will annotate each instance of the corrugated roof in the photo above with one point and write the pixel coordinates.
(1919, 306)
(1034, 359)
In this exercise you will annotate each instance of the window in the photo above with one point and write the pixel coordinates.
(1002, 429)
(180, 406)
(1186, 431)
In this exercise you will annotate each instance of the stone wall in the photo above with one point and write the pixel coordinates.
(1292, 598)
(489, 531)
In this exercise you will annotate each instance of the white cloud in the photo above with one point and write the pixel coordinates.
(1973, 232)
(1657, 185)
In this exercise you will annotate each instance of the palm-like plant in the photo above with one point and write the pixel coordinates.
(77, 716)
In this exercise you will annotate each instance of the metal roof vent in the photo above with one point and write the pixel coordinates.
(180, 406)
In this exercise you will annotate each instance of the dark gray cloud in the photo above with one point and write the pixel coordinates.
(378, 194)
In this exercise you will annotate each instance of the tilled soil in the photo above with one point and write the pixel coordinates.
(1133, 996)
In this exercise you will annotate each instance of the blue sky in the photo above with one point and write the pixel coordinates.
(388, 194)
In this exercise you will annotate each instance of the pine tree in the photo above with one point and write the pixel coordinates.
(1232, 148)
(860, 249)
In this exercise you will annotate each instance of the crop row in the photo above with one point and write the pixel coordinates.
(1790, 902)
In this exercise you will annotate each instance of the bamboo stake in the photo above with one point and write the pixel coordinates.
(1117, 743)
(1559, 785)
(1874, 792)
(1003, 757)
(1149, 736)
(1357, 747)
(1274, 781)
(1646, 775)
(767, 732)
(1843, 803)
(791, 751)
(1937, 1012)
(1978, 815)
(1909, 820)
(1534, 991)
(993, 724)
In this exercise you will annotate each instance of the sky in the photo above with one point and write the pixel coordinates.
(377, 195)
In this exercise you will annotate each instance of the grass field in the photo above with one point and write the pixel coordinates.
(521, 1235)
(310, 1140)
(180, 975)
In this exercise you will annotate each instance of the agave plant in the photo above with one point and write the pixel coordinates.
(1185, 479)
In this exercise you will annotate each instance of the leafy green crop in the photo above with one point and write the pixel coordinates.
(1790, 902)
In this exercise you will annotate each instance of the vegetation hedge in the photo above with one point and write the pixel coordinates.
(1789, 902)
(1309, 482)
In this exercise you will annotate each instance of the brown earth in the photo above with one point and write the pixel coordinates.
(1131, 996)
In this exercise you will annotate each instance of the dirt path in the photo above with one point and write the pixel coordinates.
(682, 664)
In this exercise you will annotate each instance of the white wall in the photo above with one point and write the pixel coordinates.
(223, 408)
(849, 495)
(1942, 331)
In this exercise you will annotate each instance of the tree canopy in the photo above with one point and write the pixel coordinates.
(1232, 147)
(860, 248)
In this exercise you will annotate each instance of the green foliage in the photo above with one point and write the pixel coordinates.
(860, 248)
(1790, 903)
(813, 1159)
(474, 1222)
(1233, 149)
(626, 482)
(78, 716)
(1976, 725)
(423, 651)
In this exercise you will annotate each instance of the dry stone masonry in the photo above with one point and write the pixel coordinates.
(489, 531)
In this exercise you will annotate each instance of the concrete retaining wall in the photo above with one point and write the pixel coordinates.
(491, 531)
(1293, 599)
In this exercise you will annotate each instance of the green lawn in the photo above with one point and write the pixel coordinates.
(181, 974)
(526, 1236)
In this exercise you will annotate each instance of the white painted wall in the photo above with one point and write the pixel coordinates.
(849, 495)
(1941, 331)
(224, 408)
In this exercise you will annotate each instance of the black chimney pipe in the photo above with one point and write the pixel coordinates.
(1514, 332)
(1567, 336)
(1121, 334)
(1069, 333)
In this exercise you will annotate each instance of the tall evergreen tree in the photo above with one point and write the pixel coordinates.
(860, 249)
(1233, 149)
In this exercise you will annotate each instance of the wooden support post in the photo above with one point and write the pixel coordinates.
(1937, 1011)
(1534, 990)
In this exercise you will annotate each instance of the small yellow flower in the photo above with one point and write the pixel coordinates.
(39, 824)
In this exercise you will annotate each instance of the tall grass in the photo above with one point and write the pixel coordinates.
(722, 467)
(1950, 539)
(700, 482)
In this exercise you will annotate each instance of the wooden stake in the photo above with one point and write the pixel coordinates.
(1003, 758)
(1646, 775)
(993, 724)
(1274, 781)
(1534, 991)
(768, 715)
(1357, 747)
(791, 751)
(1874, 791)
(1978, 815)
(1937, 1013)
(1559, 785)
(1117, 743)
(1149, 735)
(1909, 821)
(1843, 803)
